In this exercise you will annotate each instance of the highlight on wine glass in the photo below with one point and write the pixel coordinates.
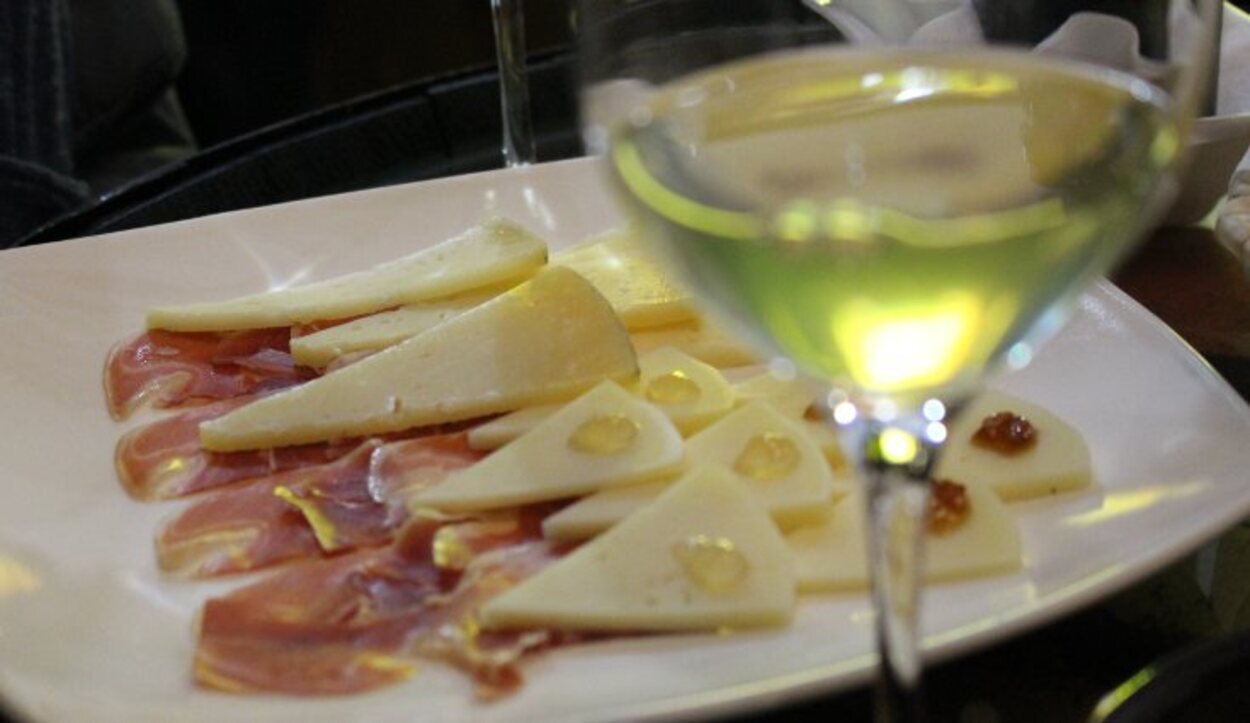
(900, 197)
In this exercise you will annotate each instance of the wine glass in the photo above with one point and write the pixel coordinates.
(514, 97)
(898, 195)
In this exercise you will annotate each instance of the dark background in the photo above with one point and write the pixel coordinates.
(252, 63)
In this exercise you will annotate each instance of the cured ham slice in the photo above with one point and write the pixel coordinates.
(167, 369)
(357, 622)
(308, 512)
(163, 460)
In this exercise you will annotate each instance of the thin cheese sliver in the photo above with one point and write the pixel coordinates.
(492, 253)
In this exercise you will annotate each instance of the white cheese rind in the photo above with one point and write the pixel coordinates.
(484, 361)
(830, 555)
(1058, 462)
(384, 329)
(543, 464)
(631, 578)
(492, 253)
(638, 289)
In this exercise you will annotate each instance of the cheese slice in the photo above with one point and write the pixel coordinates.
(387, 328)
(497, 432)
(831, 555)
(549, 339)
(792, 397)
(663, 374)
(1058, 462)
(774, 456)
(690, 392)
(796, 486)
(637, 287)
(606, 437)
(702, 557)
(700, 340)
(492, 253)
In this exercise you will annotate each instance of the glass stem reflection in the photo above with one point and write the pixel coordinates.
(514, 97)
(896, 458)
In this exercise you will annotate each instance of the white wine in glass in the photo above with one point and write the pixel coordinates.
(898, 219)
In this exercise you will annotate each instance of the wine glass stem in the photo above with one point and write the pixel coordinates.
(897, 502)
(514, 97)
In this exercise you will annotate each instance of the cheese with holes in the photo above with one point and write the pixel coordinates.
(702, 557)
(606, 437)
(547, 340)
(638, 289)
(387, 328)
(1059, 461)
(831, 556)
(491, 253)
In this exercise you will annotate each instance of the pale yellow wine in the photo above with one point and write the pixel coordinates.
(896, 221)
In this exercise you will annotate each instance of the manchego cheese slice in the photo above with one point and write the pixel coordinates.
(549, 339)
(387, 328)
(831, 555)
(1059, 461)
(604, 438)
(491, 253)
(773, 456)
(638, 289)
(702, 557)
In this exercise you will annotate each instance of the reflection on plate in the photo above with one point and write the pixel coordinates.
(90, 630)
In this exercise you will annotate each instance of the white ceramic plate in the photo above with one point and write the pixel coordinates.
(90, 631)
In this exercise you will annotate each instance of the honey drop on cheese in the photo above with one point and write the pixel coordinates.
(605, 438)
(703, 556)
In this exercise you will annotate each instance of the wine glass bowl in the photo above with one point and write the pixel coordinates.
(899, 196)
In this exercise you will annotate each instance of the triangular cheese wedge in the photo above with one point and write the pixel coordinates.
(547, 340)
(700, 340)
(696, 394)
(1058, 462)
(638, 289)
(793, 495)
(831, 555)
(492, 253)
(387, 328)
(595, 513)
(690, 392)
(792, 397)
(702, 557)
(606, 437)
(774, 456)
(497, 432)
